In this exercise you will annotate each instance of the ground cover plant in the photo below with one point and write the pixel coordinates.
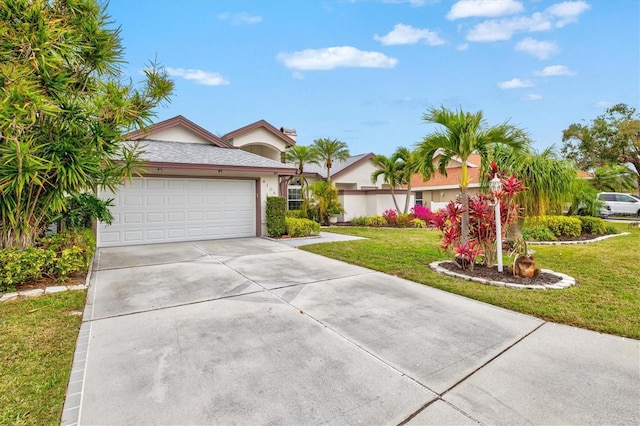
(37, 342)
(605, 299)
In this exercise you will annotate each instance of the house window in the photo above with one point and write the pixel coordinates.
(418, 198)
(294, 193)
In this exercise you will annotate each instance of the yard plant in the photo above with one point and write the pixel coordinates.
(605, 299)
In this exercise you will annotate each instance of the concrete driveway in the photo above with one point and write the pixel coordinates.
(254, 332)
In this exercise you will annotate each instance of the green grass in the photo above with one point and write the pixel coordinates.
(605, 299)
(37, 341)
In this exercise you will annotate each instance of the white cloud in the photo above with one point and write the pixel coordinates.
(483, 8)
(239, 18)
(557, 15)
(504, 29)
(603, 104)
(462, 47)
(199, 76)
(538, 49)
(334, 57)
(414, 3)
(515, 83)
(554, 70)
(531, 97)
(567, 11)
(406, 34)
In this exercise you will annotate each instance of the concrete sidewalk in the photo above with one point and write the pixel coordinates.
(251, 332)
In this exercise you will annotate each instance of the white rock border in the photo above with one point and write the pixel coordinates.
(558, 243)
(566, 280)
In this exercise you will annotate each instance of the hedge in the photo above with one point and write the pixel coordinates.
(301, 227)
(276, 212)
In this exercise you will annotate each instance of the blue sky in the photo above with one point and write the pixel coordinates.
(365, 72)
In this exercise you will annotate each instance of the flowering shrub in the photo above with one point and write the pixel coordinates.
(391, 216)
(421, 212)
(481, 242)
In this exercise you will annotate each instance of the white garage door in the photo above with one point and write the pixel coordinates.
(158, 210)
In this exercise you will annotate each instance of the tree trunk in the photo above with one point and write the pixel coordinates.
(395, 202)
(464, 225)
(406, 201)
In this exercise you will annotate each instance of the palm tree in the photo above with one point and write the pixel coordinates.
(463, 134)
(407, 164)
(330, 150)
(300, 155)
(549, 180)
(390, 172)
(614, 178)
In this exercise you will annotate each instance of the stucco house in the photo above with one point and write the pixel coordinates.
(357, 193)
(436, 192)
(196, 185)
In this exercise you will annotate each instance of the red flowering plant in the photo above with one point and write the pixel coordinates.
(391, 216)
(481, 243)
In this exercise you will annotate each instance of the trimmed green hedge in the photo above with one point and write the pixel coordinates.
(593, 225)
(301, 227)
(276, 213)
(559, 225)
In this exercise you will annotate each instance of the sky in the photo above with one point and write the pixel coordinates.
(366, 72)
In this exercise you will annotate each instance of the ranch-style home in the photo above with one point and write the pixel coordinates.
(196, 185)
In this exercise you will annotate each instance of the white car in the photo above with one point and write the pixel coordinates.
(621, 204)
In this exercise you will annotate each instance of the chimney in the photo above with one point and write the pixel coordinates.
(290, 133)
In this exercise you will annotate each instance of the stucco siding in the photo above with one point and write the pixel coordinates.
(178, 134)
(259, 136)
(361, 176)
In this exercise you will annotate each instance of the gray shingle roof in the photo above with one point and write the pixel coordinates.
(196, 153)
(335, 167)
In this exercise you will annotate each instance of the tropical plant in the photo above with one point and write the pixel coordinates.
(300, 155)
(462, 134)
(388, 168)
(482, 236)
(330, 150)
(584, 199)
(63, 110)
(82, 209)
(407, 164)
(614, 178)
(549, 180)
(324, 200)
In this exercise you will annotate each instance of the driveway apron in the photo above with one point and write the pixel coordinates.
(251, 331)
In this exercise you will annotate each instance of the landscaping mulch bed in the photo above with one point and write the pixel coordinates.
(481, 271)
(44, 282)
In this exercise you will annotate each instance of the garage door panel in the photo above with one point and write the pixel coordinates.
(153, 210)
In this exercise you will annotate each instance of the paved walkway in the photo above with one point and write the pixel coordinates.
(252, 332)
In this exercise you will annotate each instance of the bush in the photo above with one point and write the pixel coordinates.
(276, 212)
(610, 229)
(418, 223)
(82, 209)
(422, 212)
(375, 221)
(538, 233)
(593, 225)
(57, 257)
(359, 221)
(391, 216)
(559, 225)
(404, 220)
(301, 227)
(298, 214)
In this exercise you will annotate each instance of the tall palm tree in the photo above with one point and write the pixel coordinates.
(614, 178)
(390, 172)
(300, 155)
(462, 134)
(330, 150)
(407, 164)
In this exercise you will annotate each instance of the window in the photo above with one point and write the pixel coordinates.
(419, 198)
(294, 193)
(624, 198)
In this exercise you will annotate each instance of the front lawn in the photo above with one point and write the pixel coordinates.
(37, 341)
(606, 299)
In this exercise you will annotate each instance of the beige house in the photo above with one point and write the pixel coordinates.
(196, 185)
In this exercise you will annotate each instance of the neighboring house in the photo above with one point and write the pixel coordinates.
(358, 195)
(198, 186)
(436, 192)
